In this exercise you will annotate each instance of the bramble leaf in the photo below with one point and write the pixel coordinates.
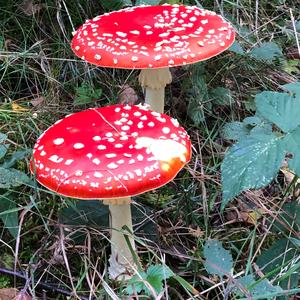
(218, 261)
(251, 163)
(12, 178)
(280, 108)
(266, 52)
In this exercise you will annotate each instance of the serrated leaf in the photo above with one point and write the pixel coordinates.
(279, 108)
(236, 48)
(235, 131)
(155, 276)
(293, 87)
(266, 52)
(12, 178)
(10, 220)
(280, 256)
(257, 288)
(292, 145)
(86, 93)
(252, 121)
(221, 96)
(251, 163)
(218, 261)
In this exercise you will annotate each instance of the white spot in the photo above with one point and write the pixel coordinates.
(112, 166)
(131, 161)
(58, 141)
(135, 32)
(101, 147)
(78, 173)
(43, 153)
(89, 155)
(97, 138)
(110, 155)
(97, 56)
(56, 158)
(118, 146)
(98, 174)
(121, 34)
(77, 48)
(151, 124)
(140, 157)
(200, 43)
(69, 161)
(204, 21)
(125, 127)
(134, 58)
(96, 161)
(78, 146)
(166, 130)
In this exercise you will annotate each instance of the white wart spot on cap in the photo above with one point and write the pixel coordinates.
(78, 146)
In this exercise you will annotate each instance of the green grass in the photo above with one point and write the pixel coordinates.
(36, 62)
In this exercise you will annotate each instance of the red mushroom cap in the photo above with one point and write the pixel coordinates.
(108, 152)
(144, 37)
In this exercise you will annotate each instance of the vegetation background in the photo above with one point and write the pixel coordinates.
(190, 247)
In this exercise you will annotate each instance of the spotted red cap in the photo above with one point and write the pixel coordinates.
(152, 37)
(107, 152)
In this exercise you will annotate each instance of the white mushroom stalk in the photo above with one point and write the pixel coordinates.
(154, 82)
(121, 261)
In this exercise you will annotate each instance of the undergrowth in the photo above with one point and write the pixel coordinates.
(191, 243)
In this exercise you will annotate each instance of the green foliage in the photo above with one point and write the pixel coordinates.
(10, 178)
(154, 276)
(257, 288)
(281, 256)
(86, 94)
(95, 213)
(9, 214)
(266, 52)
(255, 159)
(221, 96)
(218, 261)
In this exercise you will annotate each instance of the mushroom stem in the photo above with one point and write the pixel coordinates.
(154, 82)
(121, 259)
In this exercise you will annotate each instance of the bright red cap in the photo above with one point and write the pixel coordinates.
(144, 37)
(107, 152)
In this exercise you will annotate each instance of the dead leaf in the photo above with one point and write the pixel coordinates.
(17, 108)
(13, 294)
(251, 216)
(29, 9)
(289, 177)
(37, 101)
(127, 95)
(196, 232)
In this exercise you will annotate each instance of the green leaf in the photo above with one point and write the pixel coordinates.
(292, 145)
(266, 52)
(293, 87)
(12, 178)
(86, 94)
(289, 217)
(218, 261)
(235, 131)
(221, 96)
(15, 157)
(9, 219)
(251, 163)
(155, 276)
(3, 137)
(147, 2)
(279, 108)
(279, 259)
(257, 288)
(237, 48)
(3, 150)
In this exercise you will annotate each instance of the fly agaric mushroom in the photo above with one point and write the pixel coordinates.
(111, 153)
(153, 38)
